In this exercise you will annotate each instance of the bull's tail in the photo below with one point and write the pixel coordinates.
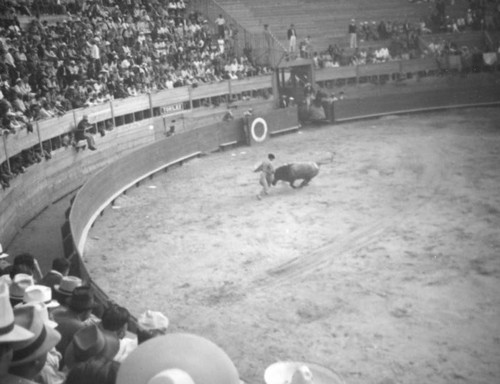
(326, 161)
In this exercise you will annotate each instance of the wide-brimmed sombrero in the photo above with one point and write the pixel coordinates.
(296, 372)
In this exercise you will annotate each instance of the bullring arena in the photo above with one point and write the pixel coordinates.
(384, 269)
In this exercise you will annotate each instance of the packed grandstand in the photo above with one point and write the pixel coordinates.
(67, 59)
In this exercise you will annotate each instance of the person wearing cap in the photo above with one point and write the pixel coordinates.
(10, 333)
(266, 169)
(82, 134)
(29, 357)
(72, 318)
(60, 268)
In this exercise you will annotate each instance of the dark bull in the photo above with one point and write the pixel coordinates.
(296, 171)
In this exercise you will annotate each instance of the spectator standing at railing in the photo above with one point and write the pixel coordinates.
(220, 22)
(268, 38)
(353, 37)
(292, 39)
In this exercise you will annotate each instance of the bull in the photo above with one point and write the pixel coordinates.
(304, 171)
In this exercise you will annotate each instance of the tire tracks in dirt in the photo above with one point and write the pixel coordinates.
(430, 156)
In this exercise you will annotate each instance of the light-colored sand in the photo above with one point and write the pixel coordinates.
(386, 268)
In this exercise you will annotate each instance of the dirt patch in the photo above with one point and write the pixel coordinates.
(385, 268)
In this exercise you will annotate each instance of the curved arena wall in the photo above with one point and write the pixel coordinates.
(137, 121)
(135, 150)
(106, 185)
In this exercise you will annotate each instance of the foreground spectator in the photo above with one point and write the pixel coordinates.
(72, 318)
(65, 288)
(11, 333)
(174, 356)
(29, 357)
(94, 371)
(90, 342)
(114, 325)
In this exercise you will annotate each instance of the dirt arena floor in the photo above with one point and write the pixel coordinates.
(386, 268)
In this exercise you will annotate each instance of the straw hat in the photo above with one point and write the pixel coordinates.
(9, 331)
(157, 360)
(294, 372)
(45, 337)
(150, 320)
(172, 376)
(67, 285)
(39, 294)
(19, 284)
(44, 312)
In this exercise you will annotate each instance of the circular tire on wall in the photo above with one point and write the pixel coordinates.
(258, 130)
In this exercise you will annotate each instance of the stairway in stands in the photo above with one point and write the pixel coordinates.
(326, 21)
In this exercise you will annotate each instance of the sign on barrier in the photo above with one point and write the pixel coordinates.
(169, 109)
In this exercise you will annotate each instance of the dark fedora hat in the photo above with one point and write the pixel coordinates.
(90, 342)
(82, 299)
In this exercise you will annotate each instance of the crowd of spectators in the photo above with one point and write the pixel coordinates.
(402, 37)
(401, 42)
(103, 50)
(53, 331)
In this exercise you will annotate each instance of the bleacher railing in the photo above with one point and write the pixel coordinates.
(131, 109)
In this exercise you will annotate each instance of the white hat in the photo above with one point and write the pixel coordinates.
(67, 285)
(20, 282)
(294, 372)
(2, 253)
(39, 294)
(45, 338)
(150, 320)
(201, 359)
(171, 376)
(44, 312)
(9, 331)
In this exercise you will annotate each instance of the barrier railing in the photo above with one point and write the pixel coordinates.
(48, 129)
